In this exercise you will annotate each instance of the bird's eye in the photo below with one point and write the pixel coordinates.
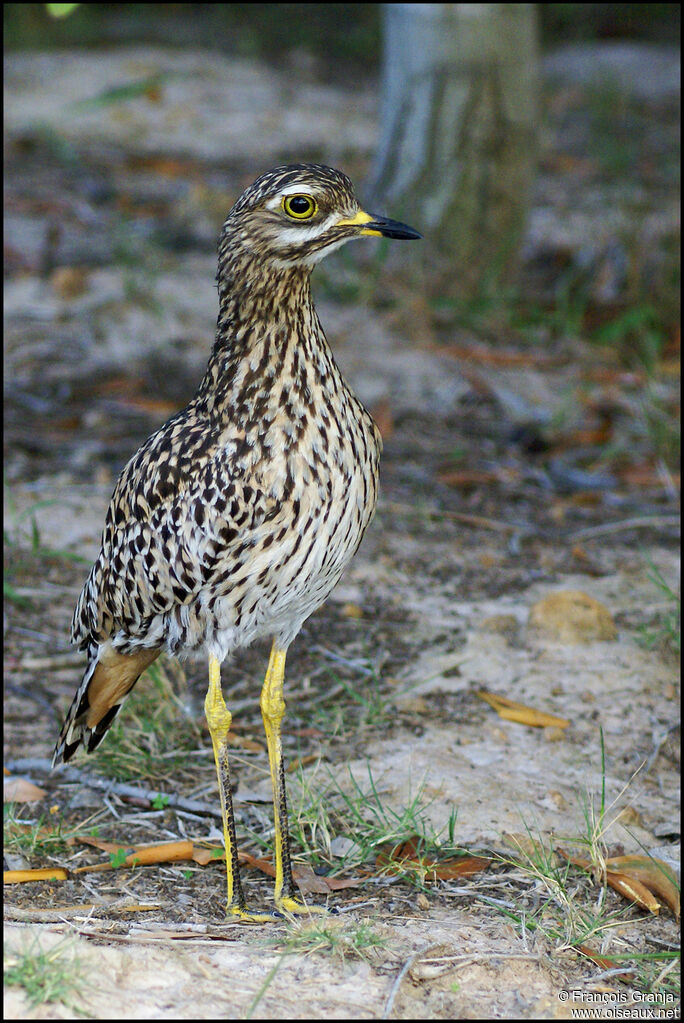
(301, 207)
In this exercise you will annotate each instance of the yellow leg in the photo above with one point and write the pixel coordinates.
(273, 711)
(219, 720)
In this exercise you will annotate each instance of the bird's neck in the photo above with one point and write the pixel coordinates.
(254, 295)
(267, 325)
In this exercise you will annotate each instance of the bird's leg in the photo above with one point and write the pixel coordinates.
(219, 720)
(273, 711)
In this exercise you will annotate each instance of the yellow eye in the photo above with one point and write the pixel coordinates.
(301, 207)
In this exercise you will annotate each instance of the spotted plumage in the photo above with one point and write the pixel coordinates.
(237, 517)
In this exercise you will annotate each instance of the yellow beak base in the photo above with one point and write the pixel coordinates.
(380, 227)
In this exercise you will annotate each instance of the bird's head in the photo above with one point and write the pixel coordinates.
(297, 214)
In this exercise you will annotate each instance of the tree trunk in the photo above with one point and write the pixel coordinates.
(458, 122)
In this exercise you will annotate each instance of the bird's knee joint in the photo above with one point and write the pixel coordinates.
(273, 709)
(218, 716)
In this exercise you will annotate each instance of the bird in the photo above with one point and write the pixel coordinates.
(238, 516)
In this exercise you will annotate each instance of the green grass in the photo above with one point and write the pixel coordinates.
(41, 839)
(657, 973)
(26, 532)
(35, 839)
(266, 31)
(337, 938)
(637, 332)
(615, 142)
(372, 704)
(665, 630)
(569, 910)
(55, 975)
(13, 595)
(663, 428)
(339, 827)
(368, 703)
(24, 549)
(635, 338)
(569, 915)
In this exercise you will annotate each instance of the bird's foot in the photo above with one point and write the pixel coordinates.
(289, 905)
(246, 916)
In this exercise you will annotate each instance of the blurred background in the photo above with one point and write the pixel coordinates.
(536, 147)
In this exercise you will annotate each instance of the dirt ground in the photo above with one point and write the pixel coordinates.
(496, 494)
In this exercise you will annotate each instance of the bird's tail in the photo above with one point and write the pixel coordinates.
(106, 683)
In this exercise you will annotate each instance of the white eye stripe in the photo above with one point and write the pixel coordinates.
(276, 203)
(301, 232)
(296, 190)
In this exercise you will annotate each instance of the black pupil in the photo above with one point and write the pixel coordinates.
(300, 204)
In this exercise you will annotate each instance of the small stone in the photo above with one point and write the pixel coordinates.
(571, 616)
(502, 625)
(553, 734)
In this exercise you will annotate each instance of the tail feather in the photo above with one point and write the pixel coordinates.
(107, 681)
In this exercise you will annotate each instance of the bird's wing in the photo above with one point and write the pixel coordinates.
(183, 511)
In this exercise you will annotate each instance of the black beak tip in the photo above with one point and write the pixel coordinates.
(393, 229)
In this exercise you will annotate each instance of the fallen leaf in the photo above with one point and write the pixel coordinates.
(459, 866)
(309, 882)
(529, 847)
(496, 356)
(164, 852)
(208, 854)
(20, 790)
(242, 742)
(166, 166)
(633, 890)
(298, 762)
(407, 856)
(655, 874)
(474, 477)
(306, 879)
(98, 843)
(639, 878)
(382, 414)
(603, 963)
(512, 711)
(46, 874)
(69, 281)
(143, 403)
(238, 741)
(308, 733)
(143, 855)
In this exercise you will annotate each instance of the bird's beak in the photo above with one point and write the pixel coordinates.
(381, 227)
